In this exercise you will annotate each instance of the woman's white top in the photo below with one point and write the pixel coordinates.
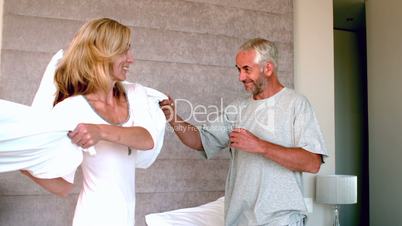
(107, 196)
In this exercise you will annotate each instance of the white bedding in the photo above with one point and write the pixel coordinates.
(209, 214)
(36, 141)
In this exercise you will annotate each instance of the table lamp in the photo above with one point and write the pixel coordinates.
(336, 190)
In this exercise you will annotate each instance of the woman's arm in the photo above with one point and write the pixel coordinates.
(57, 186)
(87, 135)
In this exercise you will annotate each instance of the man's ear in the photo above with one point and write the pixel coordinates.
(269, 68)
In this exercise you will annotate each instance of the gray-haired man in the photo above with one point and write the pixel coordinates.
(273, 137)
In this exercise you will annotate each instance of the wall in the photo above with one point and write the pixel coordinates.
(384, 54)
(314, 77)
(180, 46)
(1, 27)
(351, 121)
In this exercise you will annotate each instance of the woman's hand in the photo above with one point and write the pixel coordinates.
(85, 135)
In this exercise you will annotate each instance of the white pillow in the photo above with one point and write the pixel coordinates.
(209, 214)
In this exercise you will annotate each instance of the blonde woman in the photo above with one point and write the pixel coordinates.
(112, 116)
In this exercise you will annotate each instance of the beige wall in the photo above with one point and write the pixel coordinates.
(1, 20)
(1, 28)
(314, 77)
(384, 72)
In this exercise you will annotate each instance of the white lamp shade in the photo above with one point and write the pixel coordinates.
(336, 189)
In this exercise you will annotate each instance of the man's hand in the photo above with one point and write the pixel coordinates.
(168, 108)
(246, 141)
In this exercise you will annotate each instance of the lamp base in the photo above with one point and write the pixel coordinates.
(336, 216)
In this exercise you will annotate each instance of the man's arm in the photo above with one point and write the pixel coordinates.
(187, 133)
(296, 159)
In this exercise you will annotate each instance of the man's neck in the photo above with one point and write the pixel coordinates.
(269, 91)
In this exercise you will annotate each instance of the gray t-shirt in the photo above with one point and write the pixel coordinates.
(259, 191)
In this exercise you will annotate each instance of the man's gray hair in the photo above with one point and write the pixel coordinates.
(265, 50)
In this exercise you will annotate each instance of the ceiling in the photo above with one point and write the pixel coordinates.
(349, 14)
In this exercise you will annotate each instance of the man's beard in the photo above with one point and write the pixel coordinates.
(259, 85)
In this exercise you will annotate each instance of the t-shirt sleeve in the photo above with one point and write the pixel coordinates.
(215, 135)
(70, 177)
(147, 114)
(308, 134)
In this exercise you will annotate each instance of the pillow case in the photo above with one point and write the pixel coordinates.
(209, 214)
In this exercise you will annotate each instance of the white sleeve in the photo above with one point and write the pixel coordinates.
(147, 114)
(308, 134)
(70, 177)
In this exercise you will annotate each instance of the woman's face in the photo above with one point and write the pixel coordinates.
(121, 65)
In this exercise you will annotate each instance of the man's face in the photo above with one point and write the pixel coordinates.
(250, 73)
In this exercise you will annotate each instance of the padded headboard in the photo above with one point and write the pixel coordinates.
(184, 48)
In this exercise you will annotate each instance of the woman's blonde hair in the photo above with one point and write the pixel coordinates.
(87, 64)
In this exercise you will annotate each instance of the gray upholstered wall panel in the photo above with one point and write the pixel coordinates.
(185, 48)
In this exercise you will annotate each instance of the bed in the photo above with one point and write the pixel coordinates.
(209, 214)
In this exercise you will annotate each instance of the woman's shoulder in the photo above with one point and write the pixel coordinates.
(133, 87)
(70, 103)
(139, 89)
